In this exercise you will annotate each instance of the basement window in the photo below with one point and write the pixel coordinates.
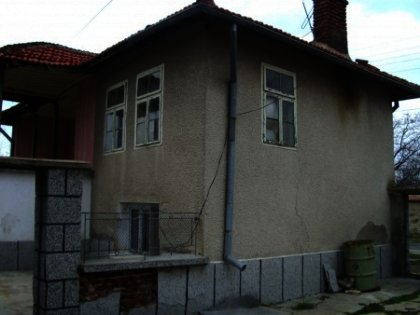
(148, 119)
(116, 101)
(279, 103)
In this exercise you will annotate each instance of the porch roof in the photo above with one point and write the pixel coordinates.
(40, 71)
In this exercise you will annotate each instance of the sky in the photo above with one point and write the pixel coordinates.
(385, 32)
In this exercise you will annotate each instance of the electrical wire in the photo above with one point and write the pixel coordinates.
(96, 15)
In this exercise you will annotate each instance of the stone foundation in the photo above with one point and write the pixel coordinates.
(187, 290)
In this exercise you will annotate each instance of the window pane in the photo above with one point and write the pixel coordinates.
(141, 111)
(287, 84)
(108, 141)
(141, 133)
(116, 96)
(148, 83)
(141, 123)
(272, 130)
(154, 81)
(272, 79)
(272, 107)
(109, 122)
(119, 125)
(288, 124)
(288, 112)
(153, 134)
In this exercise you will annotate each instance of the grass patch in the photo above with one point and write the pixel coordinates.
(303, 306)
(414, 256)
(380, 307)
(402, 298)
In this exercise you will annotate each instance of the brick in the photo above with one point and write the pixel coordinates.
(52, 238)
(292, 282)
(62, 266)
(74, 183)
(311, 274)
(72, 237)
(250, 281)
(55, 182)
(55, 291)
(200, 288)
(271, 280)
(61, 210)
(71, 293)
(227, 283)
(172, 286)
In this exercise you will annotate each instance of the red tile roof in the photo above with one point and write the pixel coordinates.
(208, 6)
(45, 54)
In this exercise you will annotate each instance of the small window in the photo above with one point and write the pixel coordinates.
(279, 103)
(115, 117)
(149, 107)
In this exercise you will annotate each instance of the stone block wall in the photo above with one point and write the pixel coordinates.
(57, 245)
(188, 290)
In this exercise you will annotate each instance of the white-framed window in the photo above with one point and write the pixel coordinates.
(116, 103)
(149, 104)
(279, 103)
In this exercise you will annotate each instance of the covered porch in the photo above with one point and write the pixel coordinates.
(54, 92)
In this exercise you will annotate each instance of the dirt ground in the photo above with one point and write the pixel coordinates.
(16, 293)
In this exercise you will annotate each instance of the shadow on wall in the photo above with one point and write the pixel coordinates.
(376, 233)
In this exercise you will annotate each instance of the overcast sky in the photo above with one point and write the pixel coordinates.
(386, 32)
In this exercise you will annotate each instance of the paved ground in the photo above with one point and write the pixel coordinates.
(16, 299)
(16, 293)
(341, 303)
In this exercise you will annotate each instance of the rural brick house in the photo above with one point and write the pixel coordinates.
(203, 117)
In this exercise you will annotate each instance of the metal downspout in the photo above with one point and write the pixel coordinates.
(230, 167)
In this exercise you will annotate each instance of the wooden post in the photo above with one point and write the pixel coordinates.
(55, 130)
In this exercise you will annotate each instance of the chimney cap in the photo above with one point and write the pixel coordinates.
(207, 2)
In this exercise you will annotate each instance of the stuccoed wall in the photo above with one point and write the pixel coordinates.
(17, 195)
(330, 189)
(169, 173)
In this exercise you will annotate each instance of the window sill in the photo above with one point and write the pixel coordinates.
(118, 263)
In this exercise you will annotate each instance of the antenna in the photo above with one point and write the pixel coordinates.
(307, 20)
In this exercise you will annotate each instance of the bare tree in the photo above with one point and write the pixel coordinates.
(4, 143)
(407, 150)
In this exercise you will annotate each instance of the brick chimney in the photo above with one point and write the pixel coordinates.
(208, 2)
(330, 24)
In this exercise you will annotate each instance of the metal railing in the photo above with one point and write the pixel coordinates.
(147, 233)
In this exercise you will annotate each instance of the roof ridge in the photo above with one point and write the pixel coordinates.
(41, 43)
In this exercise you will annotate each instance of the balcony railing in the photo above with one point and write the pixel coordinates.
(147, 233)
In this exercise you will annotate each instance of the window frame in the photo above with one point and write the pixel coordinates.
(281, 96)
(147, 98)
(114, 109)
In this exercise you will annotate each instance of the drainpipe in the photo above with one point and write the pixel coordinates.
(230, 167)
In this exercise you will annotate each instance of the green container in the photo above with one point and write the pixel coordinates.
(360, 264)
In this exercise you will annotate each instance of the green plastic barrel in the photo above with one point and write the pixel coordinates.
(360, 264)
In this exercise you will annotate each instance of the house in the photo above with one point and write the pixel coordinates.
(278, 150)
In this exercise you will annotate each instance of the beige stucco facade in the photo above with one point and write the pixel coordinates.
(287, 200)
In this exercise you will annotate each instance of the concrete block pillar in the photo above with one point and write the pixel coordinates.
(57, 241)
